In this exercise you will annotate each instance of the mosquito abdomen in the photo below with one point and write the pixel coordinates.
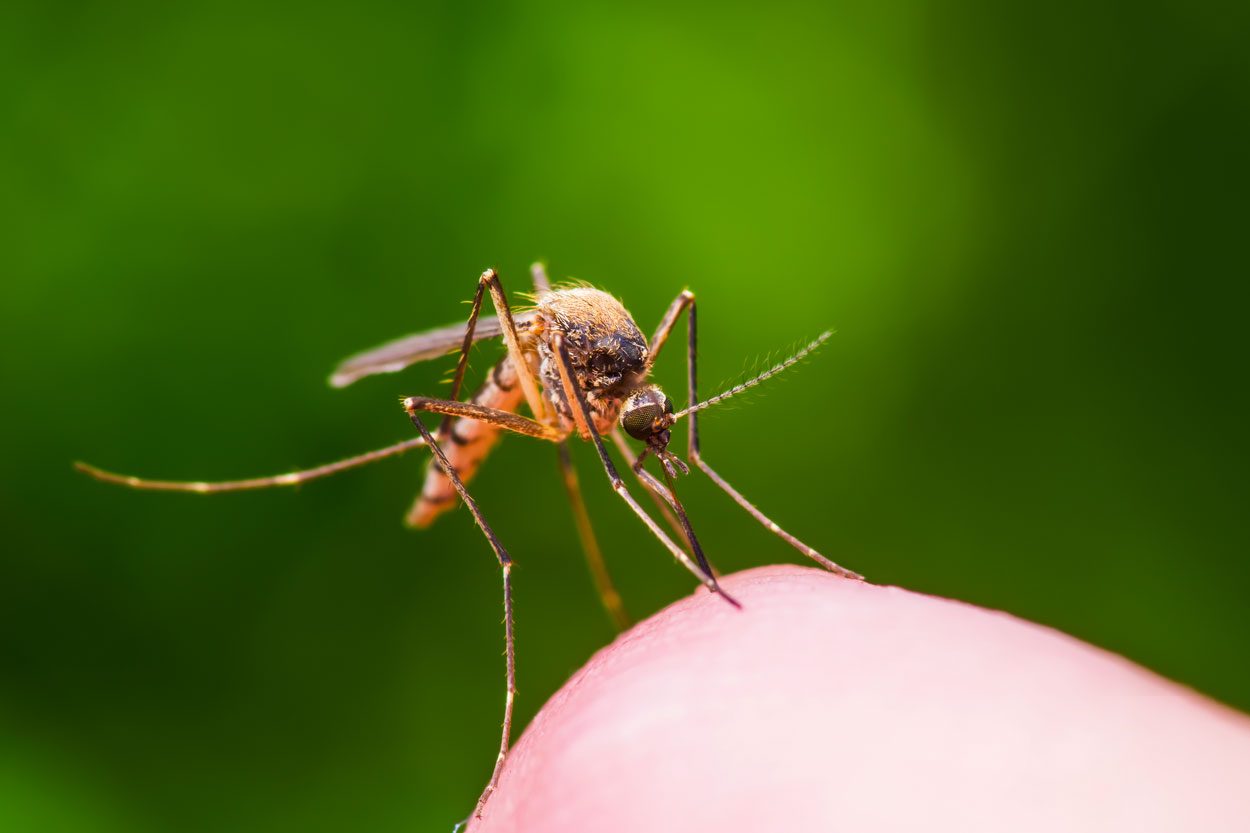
(467, 446)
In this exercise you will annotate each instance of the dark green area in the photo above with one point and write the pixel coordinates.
(1026, 222)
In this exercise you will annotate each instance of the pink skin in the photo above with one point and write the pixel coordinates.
(832, 705)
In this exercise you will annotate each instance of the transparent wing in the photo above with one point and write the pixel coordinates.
(402, 352)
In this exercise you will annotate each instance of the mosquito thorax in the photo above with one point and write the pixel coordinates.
(646, 415)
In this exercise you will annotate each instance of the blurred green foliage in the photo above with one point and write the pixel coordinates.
(1026, 222)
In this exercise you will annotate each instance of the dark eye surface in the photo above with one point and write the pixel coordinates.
(668, 405)
(637, 421)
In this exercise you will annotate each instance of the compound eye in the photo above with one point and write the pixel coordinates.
(638, 422)
(668, 405)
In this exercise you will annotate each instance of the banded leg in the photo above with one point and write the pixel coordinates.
(293, 478)
(582, 415)
(686, 301)
(608, 594)
(505, 565)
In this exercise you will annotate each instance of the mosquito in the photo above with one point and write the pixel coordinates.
(579, 363)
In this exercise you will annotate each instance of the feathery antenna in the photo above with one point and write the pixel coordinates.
(750, 383)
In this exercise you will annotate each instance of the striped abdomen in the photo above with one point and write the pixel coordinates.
(468, 445)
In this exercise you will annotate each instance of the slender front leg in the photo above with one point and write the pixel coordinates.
(590, 545)
(584, 419)
(505, 565)
(686, 301)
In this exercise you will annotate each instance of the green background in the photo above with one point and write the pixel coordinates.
(1026, 222)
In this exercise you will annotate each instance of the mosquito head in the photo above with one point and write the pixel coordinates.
(647, 415)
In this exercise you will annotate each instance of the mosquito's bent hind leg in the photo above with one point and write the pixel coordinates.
(505, 565)
(686, 301)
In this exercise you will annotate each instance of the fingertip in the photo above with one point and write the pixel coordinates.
(823, 700)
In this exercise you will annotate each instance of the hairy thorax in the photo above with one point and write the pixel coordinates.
(606, 350)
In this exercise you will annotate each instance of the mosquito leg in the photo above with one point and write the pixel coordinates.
(582, 415)
(488, 278)
(674, 311)
(590, 545)
(505, 420)
(660, 500)
(529, 384)
(293, 478)
(696, 455)
(471, 410)
(444, 427)
(665, 490)
(505, 565)
(772, 525)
